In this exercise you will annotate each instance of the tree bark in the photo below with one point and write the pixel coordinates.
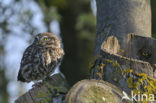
(121, 17)
(135, 73)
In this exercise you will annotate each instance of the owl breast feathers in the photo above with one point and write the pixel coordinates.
(40, 58)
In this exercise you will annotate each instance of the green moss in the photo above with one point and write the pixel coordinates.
(115, 64)
(53, 91)
(109, 61)
(117, 70)
(100, 68)
(92, 62)
(97, 93)
(26, 102)
(43, 97)
(122, 51)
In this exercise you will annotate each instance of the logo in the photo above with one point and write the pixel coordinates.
(139, 97)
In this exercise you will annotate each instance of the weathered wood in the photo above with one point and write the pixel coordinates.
(52, 90)
(110, 49)
(121, 17)
(141, 48)
(128, 73)
(95, 91)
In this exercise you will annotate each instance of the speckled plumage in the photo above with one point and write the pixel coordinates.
(40, 58)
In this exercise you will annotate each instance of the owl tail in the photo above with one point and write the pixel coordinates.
(20, 77)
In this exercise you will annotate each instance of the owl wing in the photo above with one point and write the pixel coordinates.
(26, 59)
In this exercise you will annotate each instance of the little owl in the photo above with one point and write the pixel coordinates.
(40, 58)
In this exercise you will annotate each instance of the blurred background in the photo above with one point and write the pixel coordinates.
(74, 21)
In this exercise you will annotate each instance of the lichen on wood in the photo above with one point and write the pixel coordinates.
(122, 69)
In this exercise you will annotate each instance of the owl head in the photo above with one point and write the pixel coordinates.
(47, 40)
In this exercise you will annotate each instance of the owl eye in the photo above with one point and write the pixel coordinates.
(46, 38)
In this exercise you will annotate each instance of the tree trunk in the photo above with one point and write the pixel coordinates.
(3, 85)
(126, 60)
(121, 17)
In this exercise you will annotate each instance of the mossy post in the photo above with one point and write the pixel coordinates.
(52, 90)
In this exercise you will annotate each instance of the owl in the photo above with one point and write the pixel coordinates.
(40, 58)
